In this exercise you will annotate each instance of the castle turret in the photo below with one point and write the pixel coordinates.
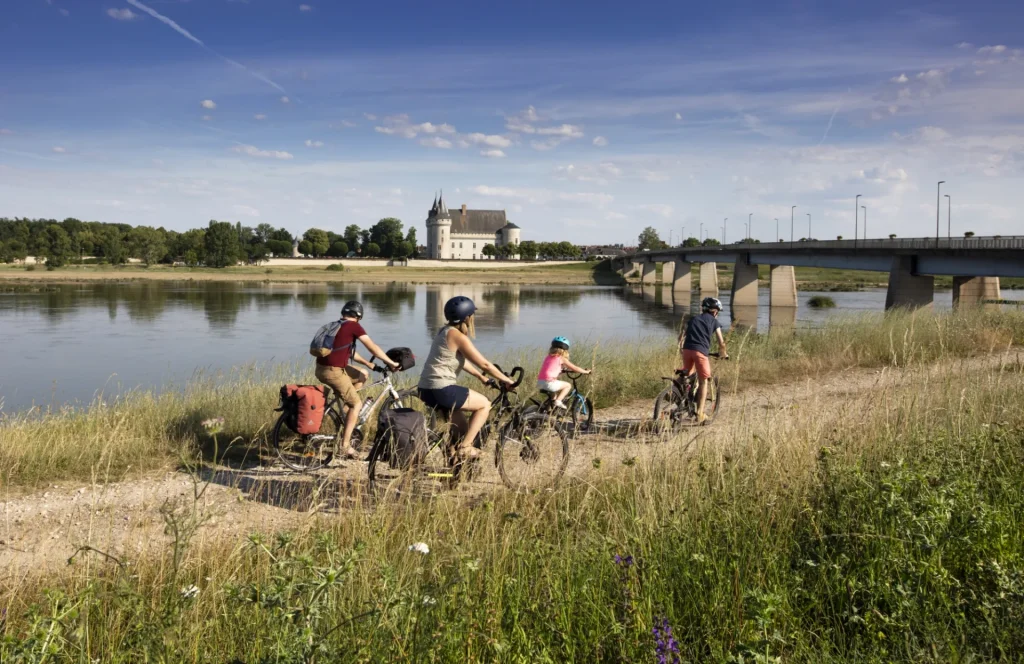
(508, 235)
(439, 230)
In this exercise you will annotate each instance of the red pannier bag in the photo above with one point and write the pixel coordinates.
(307, 403)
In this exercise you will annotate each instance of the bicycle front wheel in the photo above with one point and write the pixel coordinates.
(532, 452)
(582, 414)
(307, 452)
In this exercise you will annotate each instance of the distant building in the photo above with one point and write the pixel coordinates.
(603, 251)
(463, 235)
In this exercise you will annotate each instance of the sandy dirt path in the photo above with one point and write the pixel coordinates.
(41, 531)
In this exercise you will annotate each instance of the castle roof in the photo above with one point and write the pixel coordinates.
(510, 226)
(478, 221)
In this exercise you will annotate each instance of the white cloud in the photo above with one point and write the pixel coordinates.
(659, 209)
(525, 123)
(310, 143)
(587, 197)
(491, 140)
(992, 50)
(504, 192)
(436, 142)
(370, 116)
(260, 116)
(600, 141)
(122, 14)
(305, 8)
(933, 76)
(493, 154)
(679, 116)
(59, 149)
(964, 45)
(254, 151)
(399, 125)
(207, 118)
(64, 12)
(564, 131)
(348, 124)
(902, 78)
(208, 104)
(932, 134)
(246, 210)
(285, 100)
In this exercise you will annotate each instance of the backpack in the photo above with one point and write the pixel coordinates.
(403, 357)
(403, 434)
(303, 406)
(322, 344)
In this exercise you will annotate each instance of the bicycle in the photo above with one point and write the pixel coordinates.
(438, 467)
(533, 447)
(309, 452)
(579, 407)
(679, 399)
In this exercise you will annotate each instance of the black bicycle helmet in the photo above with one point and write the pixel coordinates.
(352, 309)
(709, 303)
(458, 309)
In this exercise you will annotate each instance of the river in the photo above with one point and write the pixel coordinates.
(72, 343)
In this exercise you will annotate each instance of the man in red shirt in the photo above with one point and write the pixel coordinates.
(344, 378)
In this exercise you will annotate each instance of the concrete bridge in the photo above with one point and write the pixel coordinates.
(912, 263)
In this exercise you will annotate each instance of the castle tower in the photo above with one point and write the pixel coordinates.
(439, 230)
(508, 234)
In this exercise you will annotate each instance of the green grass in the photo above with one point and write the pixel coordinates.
(886, 528)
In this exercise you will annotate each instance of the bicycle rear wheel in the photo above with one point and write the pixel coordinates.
(713, 401)
(582, 414)
(307, 452)
(532, 452)
(669, 407)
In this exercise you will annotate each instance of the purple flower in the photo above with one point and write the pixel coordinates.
(666, 648)
(626, 561)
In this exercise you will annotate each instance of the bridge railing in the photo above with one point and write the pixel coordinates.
(959, 243)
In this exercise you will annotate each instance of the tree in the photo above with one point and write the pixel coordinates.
(691, 242)
(528, 250)
(111, 247)
(711, 242)
(488, 250)
(892, 236)
(351, 236)
(410, 238)
(282, 235)
(372, 249)
(969, 234)
(338, 250)
(279, 247)
(147, 244)
(305, 248)
(221, 241)
(191, 258)
(387, 234)
(649, 239)
(402, 250)
(318, 241)
(364, 239)
(58, 246)
(263, 233)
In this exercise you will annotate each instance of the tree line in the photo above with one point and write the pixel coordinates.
(530, 250)
(219, 244)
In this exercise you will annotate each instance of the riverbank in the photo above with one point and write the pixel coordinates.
(469, 273)
(865, 508)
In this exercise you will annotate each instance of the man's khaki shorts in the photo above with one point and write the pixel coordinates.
(340, 380)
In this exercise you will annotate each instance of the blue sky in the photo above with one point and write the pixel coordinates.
(586, 121)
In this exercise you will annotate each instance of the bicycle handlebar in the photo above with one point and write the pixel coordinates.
(511, 374)
(574, 375)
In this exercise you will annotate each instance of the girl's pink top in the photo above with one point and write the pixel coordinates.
(551, 368)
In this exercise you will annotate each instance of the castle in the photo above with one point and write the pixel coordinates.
(462, 236)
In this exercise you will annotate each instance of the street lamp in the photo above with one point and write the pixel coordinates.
(700, 233)
(750, 224)
(776, 228)
(856, 219)
(809, 226)
(865, 221)
(949, 218)
(791, 213)
(938, 200)
(725, 227)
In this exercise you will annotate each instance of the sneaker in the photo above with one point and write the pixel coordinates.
(560, 406)
(702, 419)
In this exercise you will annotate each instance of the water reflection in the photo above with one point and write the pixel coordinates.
(150, 333)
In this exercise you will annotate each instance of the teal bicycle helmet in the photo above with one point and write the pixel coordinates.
(560, 342)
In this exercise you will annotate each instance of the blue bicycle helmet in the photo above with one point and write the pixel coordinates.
(560, 342)
(458, 309)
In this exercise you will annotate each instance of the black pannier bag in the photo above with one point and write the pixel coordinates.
(403, 357)
(403, 434)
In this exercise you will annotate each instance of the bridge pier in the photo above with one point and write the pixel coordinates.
(744, 284)
(620, 266)
(709, 280)
(971, 291)
(648, 274)
(668, 270)
(682, 277)
(907, 289)
(782, 287)
(637, 269)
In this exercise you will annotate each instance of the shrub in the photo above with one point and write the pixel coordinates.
(336, 267)
(821, 302)
(30, 268)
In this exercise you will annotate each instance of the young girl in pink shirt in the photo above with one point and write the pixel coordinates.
(556, 362)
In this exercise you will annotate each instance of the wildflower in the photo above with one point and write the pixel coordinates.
(429, 601)
(666, 648)
(214, 425)
(420, 547)
(626, 561)
(190, 592)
